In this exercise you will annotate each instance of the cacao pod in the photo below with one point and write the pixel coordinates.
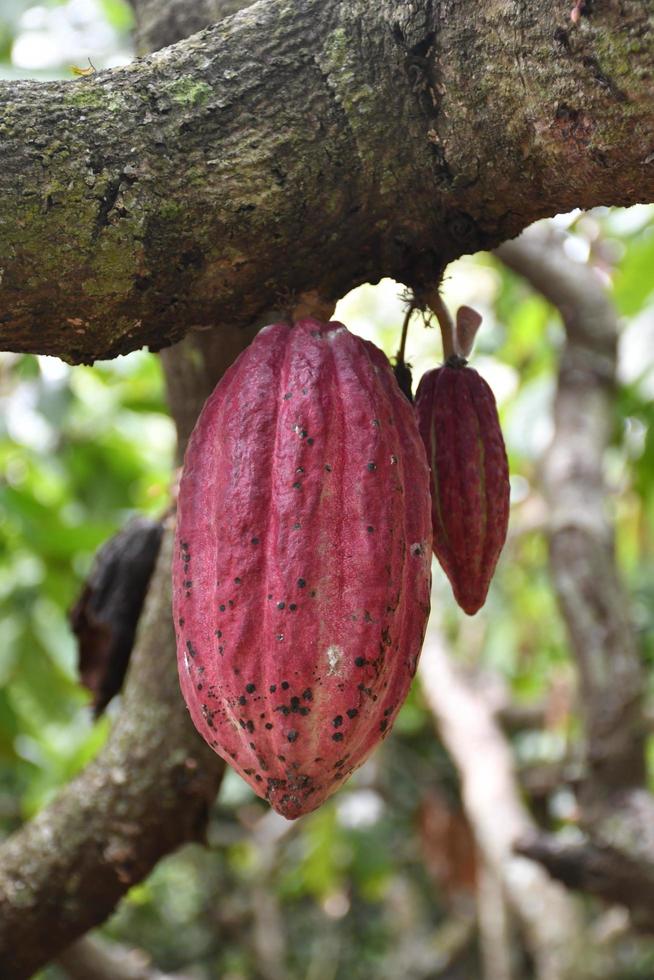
(460, 428)
(302, 563)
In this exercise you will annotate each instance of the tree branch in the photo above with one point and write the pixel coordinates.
(91, 959)
(148, 792)
(497, 815)
(616, 861)
(592, 599)
(306, 147)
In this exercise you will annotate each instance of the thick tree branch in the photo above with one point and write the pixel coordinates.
(617, 814)
(305, 147)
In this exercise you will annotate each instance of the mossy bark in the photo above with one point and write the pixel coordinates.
(306, 147)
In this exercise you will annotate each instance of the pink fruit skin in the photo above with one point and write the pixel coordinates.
(301, 573)
(460, 428)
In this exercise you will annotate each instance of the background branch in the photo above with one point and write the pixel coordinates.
(617, 814)
(495, 810)
(148, 791)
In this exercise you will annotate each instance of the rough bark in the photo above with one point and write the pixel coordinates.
(616, 860)
(302, 148)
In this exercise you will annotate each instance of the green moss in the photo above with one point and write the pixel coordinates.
(187, 91)
(112, 264)
(87, 94)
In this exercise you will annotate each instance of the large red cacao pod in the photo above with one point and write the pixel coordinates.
(460, 428)
(302, 563)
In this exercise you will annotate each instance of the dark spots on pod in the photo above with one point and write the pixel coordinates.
(367, 618)
(269, 725)
(249, 772)
(221, 650)
(313, 594)
(417, 550)
(340, 763)
(309, 442)
(200, 686)
(292, 735)
(292, 607)
(371, 467)
(280, 637)
(360, 661)
(258, 778)
(328, 468)
(222, 607)
(300, 469)
(233, 755)
(305, 391)
(250, 688)
(230, 603)
(301, 583)
(254, 540)
(376, 423)
(218, 633)
(285, 710)
(370, 529)
(295, 704)
(297, 486)
(181, 621)
(307, 695)
(383, 725)
(281, 605)
(252, 746)
(337, 721)
(393, 459)
(352, 712)
(191, 649)
(282, 758)
(237, 581)
(272, 688)
(288, 395)
(285, 685)
(367, 691)
(188, 583)
(242, 700)
(297, 526)
(337, 737)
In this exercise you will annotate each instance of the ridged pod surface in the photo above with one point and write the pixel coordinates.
(302, 562)
(460, 428)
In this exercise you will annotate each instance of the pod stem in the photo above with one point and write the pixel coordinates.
(445, 322)
(405, 331)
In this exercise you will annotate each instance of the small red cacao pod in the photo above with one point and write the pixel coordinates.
(460, 428)
(301, 571)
